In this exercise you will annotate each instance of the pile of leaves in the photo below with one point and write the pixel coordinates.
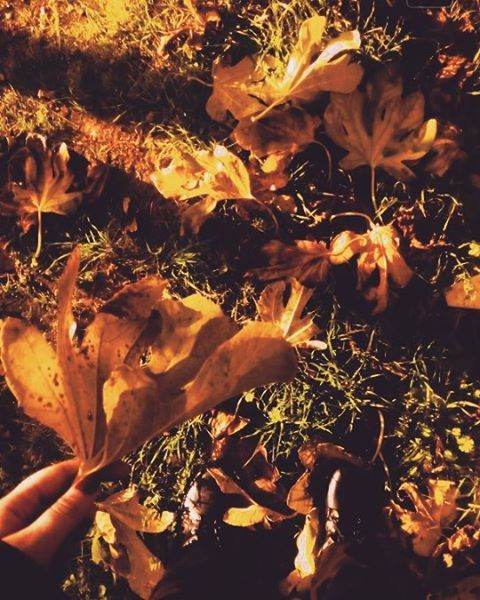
(239, 242)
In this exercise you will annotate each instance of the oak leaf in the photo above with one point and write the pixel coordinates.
(146, 363)
(297, 330)
(256, 85)
(380, 127)
(464, 293)
(47, 184)
(307, 261)
(116, 543)
(376, 252)
(215, 175)
(432, 513)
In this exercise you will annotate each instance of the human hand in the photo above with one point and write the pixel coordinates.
(42, 511)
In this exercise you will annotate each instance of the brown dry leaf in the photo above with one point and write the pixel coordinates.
(380, 127)
(446, 150)
(116, 543)
(377, 251)
(297, 330)
(281, 132)
(216, 175)
(464, 293)
(47, 184)
(224, 425)
(306, 261)
(299, 498)
(256, 85)
(431, 515)
(252, 514)
(104, 399)
(461, 541)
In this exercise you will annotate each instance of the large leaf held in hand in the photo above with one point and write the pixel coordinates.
(380, 127)
(146, 363)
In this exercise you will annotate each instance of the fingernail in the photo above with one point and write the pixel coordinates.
(89, 484)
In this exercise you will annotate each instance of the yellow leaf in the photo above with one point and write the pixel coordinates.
(288, 317)
(117, 521)
(380, 127)
(256, 85)
(377, 251)
(144, 365)
(299, 498)
(432, 514)
(217, 175)
(465, 293)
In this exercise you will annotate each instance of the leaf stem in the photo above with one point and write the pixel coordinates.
(372, 190)
(39, 234)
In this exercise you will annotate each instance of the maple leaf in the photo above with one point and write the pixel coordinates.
(377, 251)
(297, 330)
(306, 261)
(256, 85)
(380, 127)
(431, 515)
(464, 293)
(103, 398)
(116, 543)
(216, 175)
(283, 132)
(47, 184)
(223, 426)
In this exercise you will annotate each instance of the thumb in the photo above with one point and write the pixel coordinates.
(41, 540)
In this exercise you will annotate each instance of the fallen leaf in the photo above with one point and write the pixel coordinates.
(305, 559)
(281, 132)
(380, 127)
(146, 363)
(446, 150)
(431, 515)
(306, 261)
(271, 308)
(461, 541)
(464, 293)
(223, 426)
(377, 252)
(217, 175)
(117, 521)
(258, 487)
(47, 185)
(236, 89)
(256, 85)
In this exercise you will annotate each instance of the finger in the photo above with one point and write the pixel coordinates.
(42, 538)
(23, 504)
